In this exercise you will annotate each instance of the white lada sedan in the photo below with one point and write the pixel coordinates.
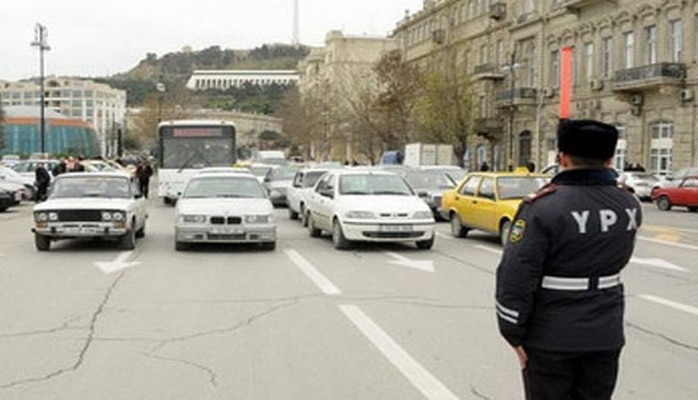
(224, 208)
(85, 205)
(370, 206)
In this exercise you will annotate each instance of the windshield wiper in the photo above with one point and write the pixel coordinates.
(391, 192)
(354, 193)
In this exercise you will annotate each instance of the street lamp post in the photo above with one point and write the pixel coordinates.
(160, 87)
(40, 41)
(511, 67)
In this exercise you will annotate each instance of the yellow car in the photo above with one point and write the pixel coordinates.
(488, 201)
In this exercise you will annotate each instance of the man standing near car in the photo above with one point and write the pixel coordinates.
(42, 179)
(143, 172)
(559, 296)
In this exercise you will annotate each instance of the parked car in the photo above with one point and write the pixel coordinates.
(640, 183)
(488, 201)
(224, 208)
(674, 178)
(430, 185)
(87, 205)
(13, 181)
(7, 199)
(683, 195)
(277, 181)
(301, 187)
(368, 206)
(16, 190)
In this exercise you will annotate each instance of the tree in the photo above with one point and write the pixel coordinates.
(304, 122)
(446, 109)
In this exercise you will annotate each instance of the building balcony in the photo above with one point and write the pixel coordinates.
(517, 96)
(487, 71)
(489, 126)
(576, 5)
(649, 77)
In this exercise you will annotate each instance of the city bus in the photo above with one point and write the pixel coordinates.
(187, 146)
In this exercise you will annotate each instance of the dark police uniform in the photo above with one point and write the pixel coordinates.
(559, 292)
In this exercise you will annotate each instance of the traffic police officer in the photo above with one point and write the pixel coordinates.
(559, 296)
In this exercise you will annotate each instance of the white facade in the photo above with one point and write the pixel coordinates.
(101, 105)
(222, 80)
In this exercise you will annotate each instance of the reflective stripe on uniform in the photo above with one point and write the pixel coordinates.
(507, 314)
(572, 284)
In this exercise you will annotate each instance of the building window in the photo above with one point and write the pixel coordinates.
(606, 57)
(555, 68)
(661, 147)
(531, 63)
(629, 43)
(499, 52)
(588, 61)
(675, 40)
(650, 44)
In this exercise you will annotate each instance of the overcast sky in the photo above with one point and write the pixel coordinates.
(94, 38)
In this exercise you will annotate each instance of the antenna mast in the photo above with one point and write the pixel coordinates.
(296, 24)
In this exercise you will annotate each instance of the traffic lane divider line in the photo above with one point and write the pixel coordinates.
(324, 284)
(669, 303)
(664, 242)
(422, 379)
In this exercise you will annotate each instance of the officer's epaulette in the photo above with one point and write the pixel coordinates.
(542, 192)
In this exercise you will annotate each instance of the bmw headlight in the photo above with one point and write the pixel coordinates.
(194, 219)
(360, 215)
(423, 215)
(257, 219)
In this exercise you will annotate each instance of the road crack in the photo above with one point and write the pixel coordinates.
(64, 327)
(85, 347)
(212, 376)
(661, 336)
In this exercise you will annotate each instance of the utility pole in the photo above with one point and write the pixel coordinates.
(40, 41)
(512, 107)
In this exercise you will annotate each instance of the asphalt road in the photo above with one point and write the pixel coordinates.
(88, 321)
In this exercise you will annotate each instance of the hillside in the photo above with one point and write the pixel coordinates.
(173, 69)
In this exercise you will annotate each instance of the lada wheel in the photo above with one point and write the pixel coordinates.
(43, 243)
(663, 203)
(292, 214)
(314, 232)
(338, 240)
(128, 241)
(304, 217)
(141, 232)
(457, 229)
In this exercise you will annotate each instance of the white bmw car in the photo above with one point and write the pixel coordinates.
(368, 206)
(224, 208)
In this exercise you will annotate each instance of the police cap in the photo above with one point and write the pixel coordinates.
(587, 138)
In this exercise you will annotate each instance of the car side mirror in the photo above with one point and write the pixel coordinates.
(327, 193)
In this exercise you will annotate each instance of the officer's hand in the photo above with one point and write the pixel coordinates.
(521, 354)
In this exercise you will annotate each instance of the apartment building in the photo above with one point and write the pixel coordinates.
(338, 77)
(102, 106)
(634, 65)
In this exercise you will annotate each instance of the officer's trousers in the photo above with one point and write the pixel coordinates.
(570, 376)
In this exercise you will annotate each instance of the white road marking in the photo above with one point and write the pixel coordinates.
(422, 265)
(121, 262)
(490, 249)
(422, 379)
(658, 263)
(311, 272)
(679, 245)
(669, 303)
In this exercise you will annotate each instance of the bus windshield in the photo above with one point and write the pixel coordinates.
(194, 145)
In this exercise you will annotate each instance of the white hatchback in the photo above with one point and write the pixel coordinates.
(368, 206)
(224, 207)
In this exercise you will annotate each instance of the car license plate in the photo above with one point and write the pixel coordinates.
(225, 231)
(395, 228)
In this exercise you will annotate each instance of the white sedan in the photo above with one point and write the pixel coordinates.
(368, 206)
(301, 188)
(91, 205)
(230, 207)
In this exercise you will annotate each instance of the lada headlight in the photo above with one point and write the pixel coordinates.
(423, 215)
(53, 216)
(193, 219)
(106, 216)
(360, 215)
(41, 217)
(257, 219)
(119, 216)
